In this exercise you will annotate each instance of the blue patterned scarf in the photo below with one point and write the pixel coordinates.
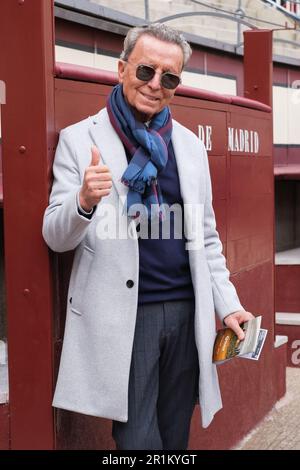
(148, 147)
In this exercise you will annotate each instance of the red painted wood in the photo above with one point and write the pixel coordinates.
(250, 103)
(280, 74)
(280, 155)
(220, 208)
(4, 427)
(69, 33)
(294, 155)
(288, 156)
(27, 123)
(287, 171)
(85, 74)
(251, 120)
(258, 67)
(218, 170)
(1, 178)
(280, 358)
(287, 288)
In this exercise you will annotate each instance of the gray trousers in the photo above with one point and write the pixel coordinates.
(163, 382)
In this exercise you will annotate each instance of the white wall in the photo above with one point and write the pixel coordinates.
(286, 117)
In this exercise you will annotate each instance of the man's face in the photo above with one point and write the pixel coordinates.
(149, 98)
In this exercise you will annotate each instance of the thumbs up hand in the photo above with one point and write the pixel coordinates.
(97, 182)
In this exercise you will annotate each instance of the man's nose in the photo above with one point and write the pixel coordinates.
(154, 83)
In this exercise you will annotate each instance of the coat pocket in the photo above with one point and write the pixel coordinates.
(82, 270)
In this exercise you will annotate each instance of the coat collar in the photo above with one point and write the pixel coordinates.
(187, 160)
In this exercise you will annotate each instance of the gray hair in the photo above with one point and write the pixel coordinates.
(159, 31)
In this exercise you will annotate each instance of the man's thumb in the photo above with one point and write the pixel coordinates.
(96, 157)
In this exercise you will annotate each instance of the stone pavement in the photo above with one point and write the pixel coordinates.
(280, 429)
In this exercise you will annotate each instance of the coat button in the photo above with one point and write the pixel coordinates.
(129, 283)
(70, 300)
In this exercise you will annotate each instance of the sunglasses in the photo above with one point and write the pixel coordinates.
(167, 79)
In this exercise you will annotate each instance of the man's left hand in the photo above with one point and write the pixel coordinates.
(234, 320)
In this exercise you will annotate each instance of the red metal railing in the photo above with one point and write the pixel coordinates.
(89, 74)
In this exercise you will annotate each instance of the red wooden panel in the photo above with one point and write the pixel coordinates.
(280, 74)
(208, 123)
(217, 165)
(251, 191)
(293, 75)
(74, 34)
(256, 292)
(251, 175)
(245, 253)
(85, 37)
(250, 215)
(77, 100)
(294, 155)
(214, 130)
(287, 292)
(280, 155)
(26, 60)
(4, 426)
(286, 156)
(280, 358)
(249, 103)
(250, 231)
(220, 208)
(258, 65)
(252, 122)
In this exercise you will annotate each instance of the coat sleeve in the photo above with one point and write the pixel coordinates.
(63, 226)
(226, 300)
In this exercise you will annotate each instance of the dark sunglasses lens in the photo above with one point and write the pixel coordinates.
(170, 81)
(145, 73)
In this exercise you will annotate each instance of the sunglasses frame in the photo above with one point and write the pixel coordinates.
(164, 74)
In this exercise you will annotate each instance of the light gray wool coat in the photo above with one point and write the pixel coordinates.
(101, 314)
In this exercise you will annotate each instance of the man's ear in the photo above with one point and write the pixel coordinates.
(121, 70)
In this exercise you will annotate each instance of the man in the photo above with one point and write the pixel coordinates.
(140, 314)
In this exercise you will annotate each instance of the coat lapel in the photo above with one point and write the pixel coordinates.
(192, 189)
(188, 166)
(111, 149)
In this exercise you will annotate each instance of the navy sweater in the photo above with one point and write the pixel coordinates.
(164, 263)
